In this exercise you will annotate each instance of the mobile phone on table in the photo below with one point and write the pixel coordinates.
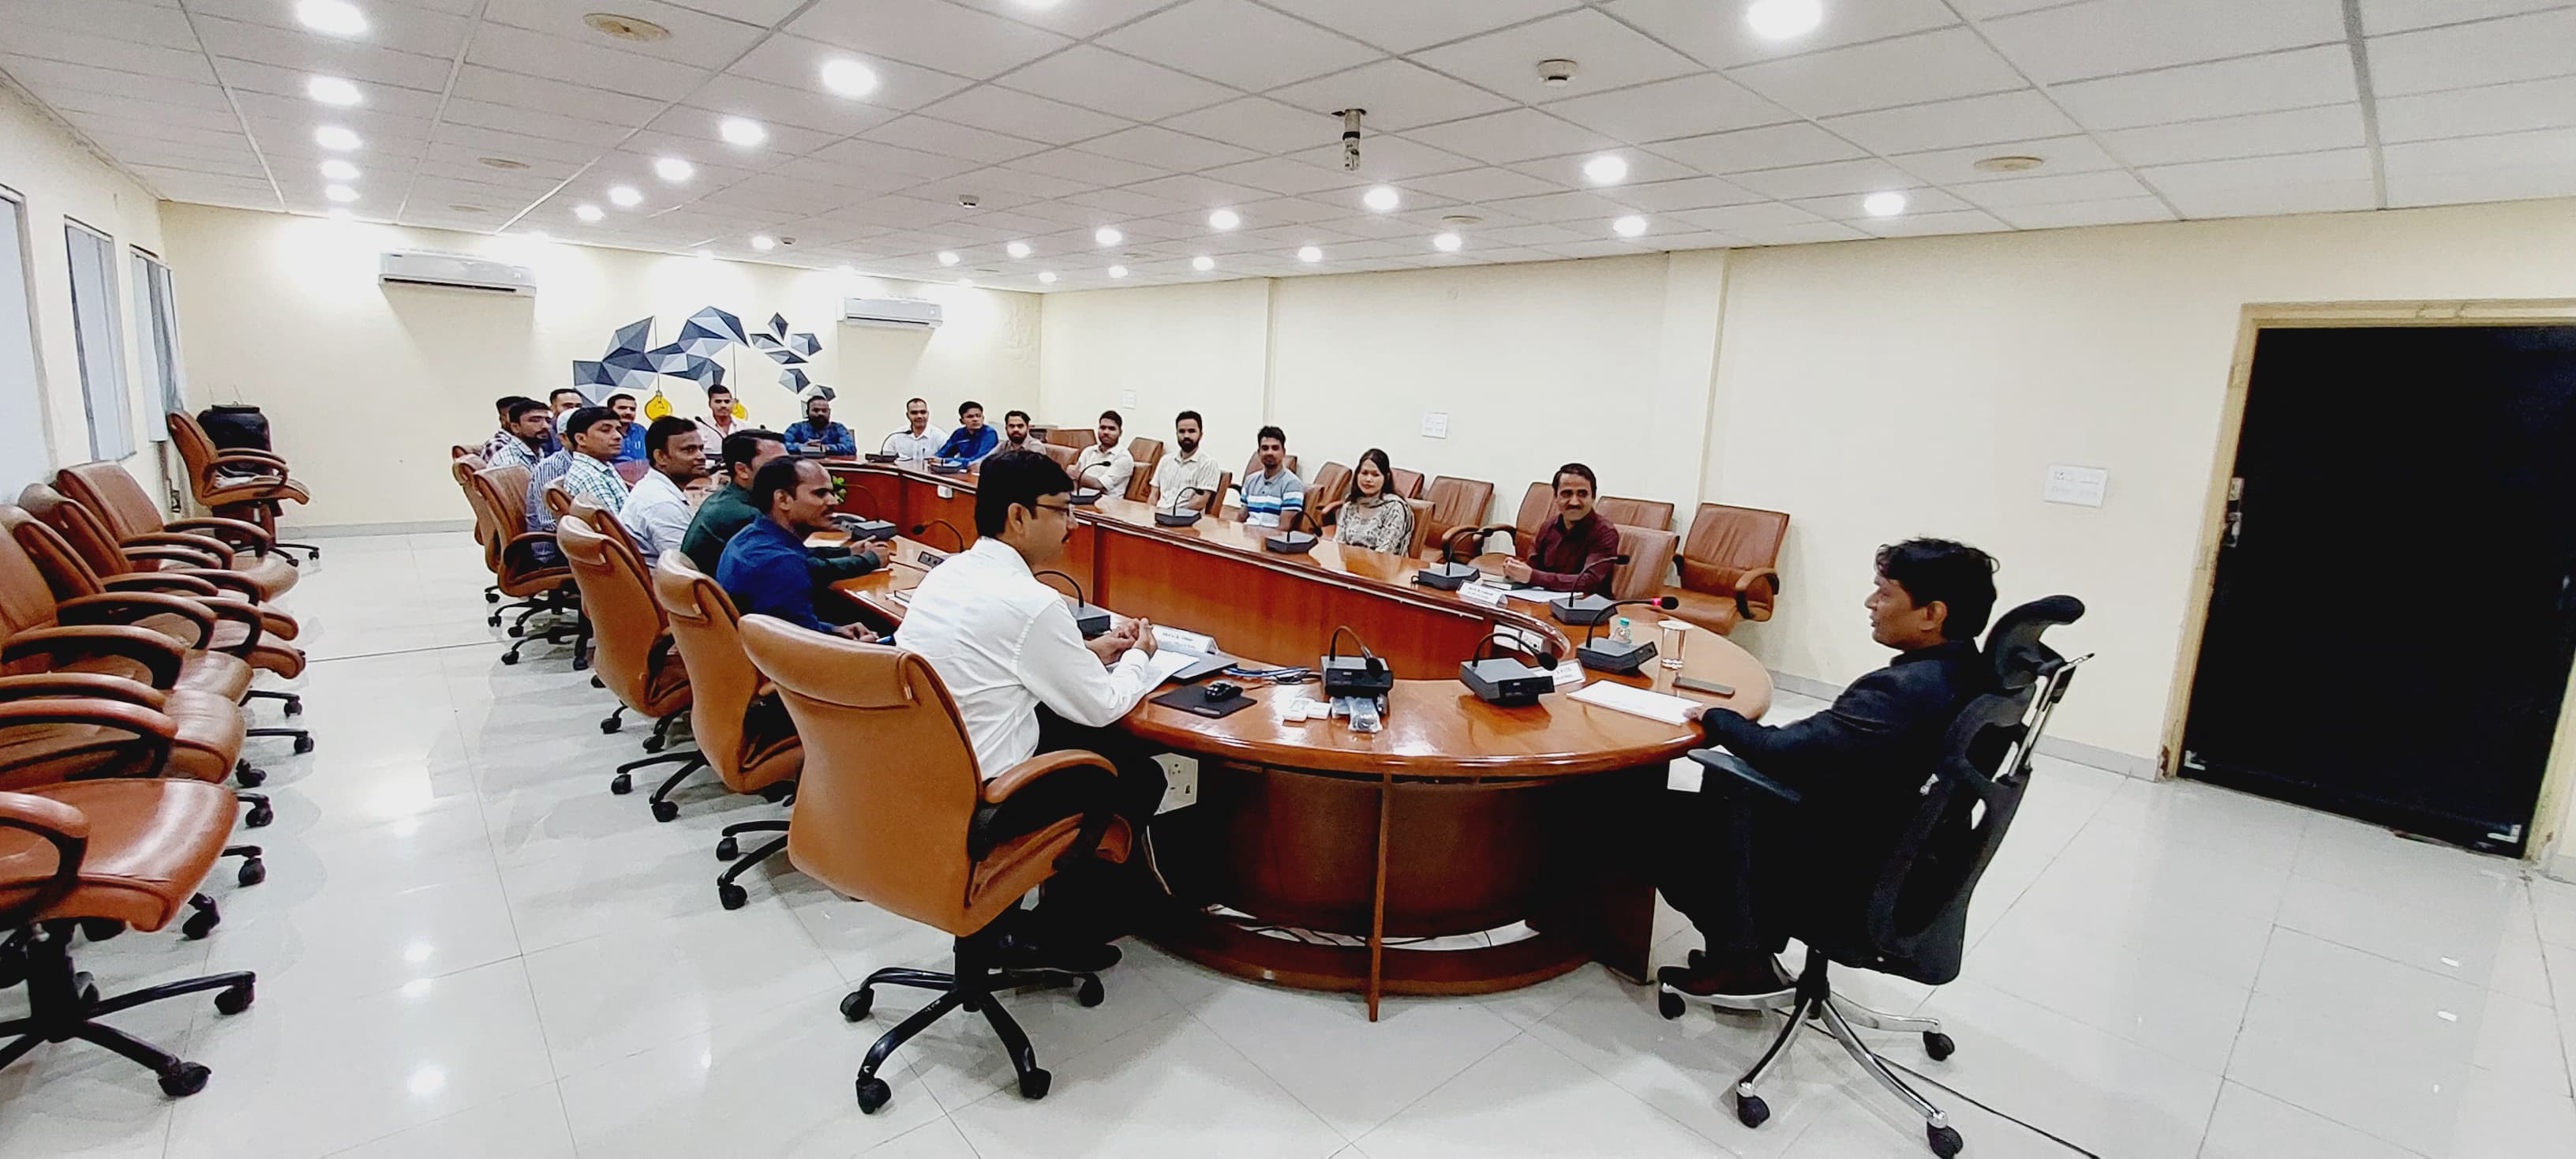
(1711, 687)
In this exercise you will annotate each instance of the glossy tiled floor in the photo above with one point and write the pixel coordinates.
(468, 947)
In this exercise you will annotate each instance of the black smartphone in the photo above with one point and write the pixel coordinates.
(1710, 687)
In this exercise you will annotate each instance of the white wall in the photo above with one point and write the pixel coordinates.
(59, 179)
(366, 386)
(1194, 347)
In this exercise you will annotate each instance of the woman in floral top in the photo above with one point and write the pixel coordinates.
(1370, 516)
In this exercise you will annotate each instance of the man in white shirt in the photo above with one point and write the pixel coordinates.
(719, 425)
(919, 441)
(1106, 465)
(1025, 682)
(657, 512)
(1183, 482)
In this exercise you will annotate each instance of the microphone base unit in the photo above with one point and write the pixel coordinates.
(1447, 577)
(1083, 497)
(1093, 621)
(1182, 519)
(948, 466)
(1504, 681)
(862, 530)
(878, 457)
(1355, 676)
(1289, 543)
(1607, 655)
(1579, 610)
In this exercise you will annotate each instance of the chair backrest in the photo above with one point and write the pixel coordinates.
(890, 783)
(66, 573)
(1421, 538)
(1538, 505)
(109, 490)
(1252, 466)
(1456, 503)
(1651, 514)
(626, 623)
(1147, 452)
(1213, 503)
(1648, 551)
(1063, 455)
(557, 496)
(1074, 437)
(1726, 541)
(1325, 490)
(1916, 916)
(196, 450)
(605, 522)
(1408, 483)
(79, 527)
(26, 596)
(500, 496)
(723, 686)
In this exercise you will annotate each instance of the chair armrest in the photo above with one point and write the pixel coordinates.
(152, 727)
(209, 545)
(82, 685)
(187, 556)
(524, 545)
(1449, 543)
(268, 462)
(158, 654)
(125, 607)
(1018, 777)
(57, 824)
(227, 581)
(1732, 775)
(175, 582)
(241, 612)
(1755, 591)
(228, 530)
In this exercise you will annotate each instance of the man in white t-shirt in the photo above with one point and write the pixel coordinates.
(1105, 465)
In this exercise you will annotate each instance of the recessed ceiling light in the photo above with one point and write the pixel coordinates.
(1782, 19)
(587, 212)
(461, 207)
(338, 170)
(1887, 204)
(332, 90)
(1107, 235)
(1203, 263)
(741, 131)
(335, 138)
(1224, 219)
(1606, 169)
(624, 196)
(1117, 271)
(849, 78)
(1629, 226)
(2016, 163)
(1047, 276)
(335, 17)
(634, 28)
(1309, 253)
(763, 242)
(500, 163)
(946, 258)
(674, 170)
(1017, 249)
(1447, 243)
(1382, 199)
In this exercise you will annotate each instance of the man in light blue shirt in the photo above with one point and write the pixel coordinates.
(972, 441)
(1273, 496)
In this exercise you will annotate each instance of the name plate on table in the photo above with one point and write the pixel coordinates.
(1485, 594)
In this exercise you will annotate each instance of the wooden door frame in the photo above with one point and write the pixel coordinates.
(2547, 817)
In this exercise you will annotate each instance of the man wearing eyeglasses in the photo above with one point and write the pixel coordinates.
(1026, 682)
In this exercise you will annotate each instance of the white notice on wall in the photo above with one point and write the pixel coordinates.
(1435, 424)
(2081, 486)
(1127, 398)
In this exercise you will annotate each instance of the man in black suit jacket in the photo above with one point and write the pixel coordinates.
(1856, 766)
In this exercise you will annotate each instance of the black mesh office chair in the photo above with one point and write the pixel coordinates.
(1910, 917)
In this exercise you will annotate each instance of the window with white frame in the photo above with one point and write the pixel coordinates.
(100, 333)
(156, 311)
(23, 454)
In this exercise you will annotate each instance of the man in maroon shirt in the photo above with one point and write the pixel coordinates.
(1575, 551)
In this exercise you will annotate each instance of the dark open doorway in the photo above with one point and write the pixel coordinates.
(2393, 613)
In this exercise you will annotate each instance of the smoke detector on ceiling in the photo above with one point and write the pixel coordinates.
(1461, 220)
(2008, 164)
(634, 28)
(969, 200)
(1556, 73)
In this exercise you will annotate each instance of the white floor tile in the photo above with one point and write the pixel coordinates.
(1168, 1088)
(937, 1139)
(2104, 1092)
(2154, 996)
(1353, 1072)
(527, 1125)
(2554, 902)
(633, 989)
(2251, 1125)
(1527, 1099)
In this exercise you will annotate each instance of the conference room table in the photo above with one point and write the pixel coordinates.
(1464, 848)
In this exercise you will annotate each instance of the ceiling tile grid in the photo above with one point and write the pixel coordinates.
(883, 133)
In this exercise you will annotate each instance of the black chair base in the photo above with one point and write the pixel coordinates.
(972, 987)
(63, 1004)
(728, 894)
(663, 809)
(294, 702)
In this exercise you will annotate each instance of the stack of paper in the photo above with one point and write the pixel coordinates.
(1639, 702)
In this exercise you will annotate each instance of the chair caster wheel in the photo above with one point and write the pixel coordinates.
(610, 724)
(199, 924)
(1668, 1004)
(492, 598)
(873, 1094)
(1033, 1085)
(493, 620)
(1938, 1045)
(665, 811)
(259, 816)
(249, 776)
(854, 1006)
(253, 872)
(509, 657)
(85, 988)
(1751, 1111)
(518, 630)
(234, 1000)
(621, 784)
(655, 744)
(295, 706)
(1091, 994)
(728, 849)
(304, 744)
(186, 1079)
(1945, 1141)
(731, 896)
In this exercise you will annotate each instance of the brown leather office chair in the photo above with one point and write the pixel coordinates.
(1324, 493)
(1074, 437)
(1147, 453)
(1421, 539)
(99, 857)
(1408, 483)
(605, 522)
(1729, 566)
(179, 570)
(129, 512)
(1252, 466)
(557, 496)
(739, 724)
(1455, 503)
(537, 583)
(635, 660)
(1648, 551)
(241, 483)
(1651, 514)
(1063, 455)
(1213, 503)
(885, 814)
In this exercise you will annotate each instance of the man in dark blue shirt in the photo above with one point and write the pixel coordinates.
(972, 441)
(818, 430)
(763, 568)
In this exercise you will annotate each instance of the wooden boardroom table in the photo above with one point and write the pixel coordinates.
(1460, 821)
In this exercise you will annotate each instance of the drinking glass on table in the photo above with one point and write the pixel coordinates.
(1668, 651)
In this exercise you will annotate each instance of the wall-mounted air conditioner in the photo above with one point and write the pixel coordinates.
(895, 313)
(456, 271)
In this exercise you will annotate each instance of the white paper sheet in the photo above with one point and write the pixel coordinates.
(1639, 702)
